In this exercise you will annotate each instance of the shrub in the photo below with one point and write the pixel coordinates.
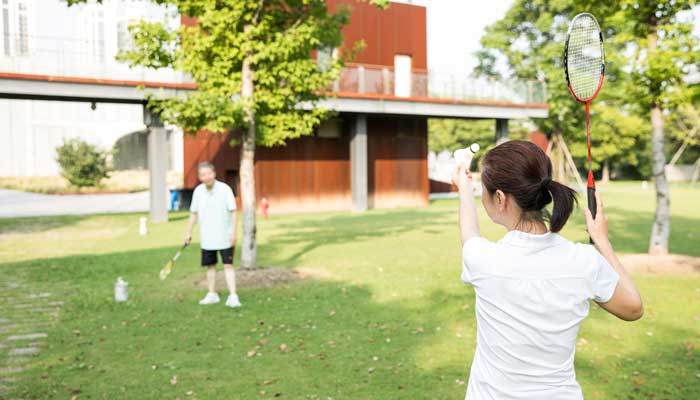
(82, 164)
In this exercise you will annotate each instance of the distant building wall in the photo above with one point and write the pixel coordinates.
(399, 29)
(313, 173)
(48, 37)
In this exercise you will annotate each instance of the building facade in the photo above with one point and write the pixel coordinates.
(315, 172)
(48, 38)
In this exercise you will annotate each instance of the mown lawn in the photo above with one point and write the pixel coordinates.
(385, 318)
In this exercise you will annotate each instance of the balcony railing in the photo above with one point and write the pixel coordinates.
(378, 80)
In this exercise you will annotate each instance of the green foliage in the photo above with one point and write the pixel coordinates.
(531, 37)
(452, 134)
(82, 164)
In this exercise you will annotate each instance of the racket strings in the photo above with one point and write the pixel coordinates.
(584, 57)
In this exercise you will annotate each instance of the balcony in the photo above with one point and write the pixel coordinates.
(378, 81)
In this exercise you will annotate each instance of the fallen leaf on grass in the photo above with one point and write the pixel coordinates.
(284, 348)
(173, 380)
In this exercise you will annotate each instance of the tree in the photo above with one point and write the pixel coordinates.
(531, 39)
(82, 164)
(251, 61)
(650, 49)
(664, 51)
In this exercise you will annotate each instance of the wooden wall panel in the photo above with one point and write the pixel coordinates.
(307, 174)
(398, 166)
(399, 29)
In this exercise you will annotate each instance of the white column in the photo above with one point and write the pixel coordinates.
(358, 164)
(157, 166)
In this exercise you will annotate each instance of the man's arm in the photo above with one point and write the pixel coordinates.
(468, 222)
(190, 225)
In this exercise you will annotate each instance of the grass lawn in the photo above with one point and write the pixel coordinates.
(386, 318)
(118, 182)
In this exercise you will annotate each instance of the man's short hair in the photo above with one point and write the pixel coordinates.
(205, 164)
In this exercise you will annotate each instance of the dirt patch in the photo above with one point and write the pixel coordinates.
(672, 264)
(257, 278)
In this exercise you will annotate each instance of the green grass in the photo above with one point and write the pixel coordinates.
(388, 317)
(127, 181)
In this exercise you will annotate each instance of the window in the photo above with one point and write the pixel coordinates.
(98, 35)
(23, 30)
(6, 27)
(124, 40)
(325, 56)
(330, 128)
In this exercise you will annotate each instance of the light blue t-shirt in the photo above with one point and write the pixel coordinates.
(213, 208)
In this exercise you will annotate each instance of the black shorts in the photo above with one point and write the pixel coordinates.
(209, 257)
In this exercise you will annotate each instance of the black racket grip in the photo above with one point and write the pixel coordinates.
(592, 206)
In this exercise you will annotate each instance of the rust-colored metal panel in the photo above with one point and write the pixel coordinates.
(398, 166)
(399, 29)
(307, 174)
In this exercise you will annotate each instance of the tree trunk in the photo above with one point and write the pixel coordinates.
(661, 229)
(606, 172)
(248, 247)
(658, 243)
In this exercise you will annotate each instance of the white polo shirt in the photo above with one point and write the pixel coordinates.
(213, 208)
(532, 292)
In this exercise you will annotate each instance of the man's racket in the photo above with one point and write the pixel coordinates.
(169, 265)
(584, 65)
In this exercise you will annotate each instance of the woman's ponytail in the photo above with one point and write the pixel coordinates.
(564, 198)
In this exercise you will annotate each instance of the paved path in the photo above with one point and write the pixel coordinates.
(25, 315)
(23, 204)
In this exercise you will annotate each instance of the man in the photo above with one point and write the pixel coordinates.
(214, 205)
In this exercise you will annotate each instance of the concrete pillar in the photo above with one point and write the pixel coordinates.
(157, 166)
(501, 131)
(358, 164)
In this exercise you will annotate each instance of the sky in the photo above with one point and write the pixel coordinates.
(454, 30)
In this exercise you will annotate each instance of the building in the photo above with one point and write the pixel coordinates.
(49, 39)
(374, 154)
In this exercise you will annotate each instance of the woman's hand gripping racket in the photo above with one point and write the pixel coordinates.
(584, 65)
(169, 266)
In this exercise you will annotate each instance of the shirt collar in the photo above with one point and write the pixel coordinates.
(524, 239)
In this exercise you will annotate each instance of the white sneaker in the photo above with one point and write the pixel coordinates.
(233, 301)
(210, 298)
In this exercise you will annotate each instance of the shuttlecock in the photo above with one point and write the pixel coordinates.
(466, 155)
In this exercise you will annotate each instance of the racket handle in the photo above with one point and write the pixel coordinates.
(591, 205)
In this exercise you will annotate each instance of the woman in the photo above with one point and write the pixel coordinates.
(533, 286)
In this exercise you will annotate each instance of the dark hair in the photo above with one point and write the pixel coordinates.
(524, 171)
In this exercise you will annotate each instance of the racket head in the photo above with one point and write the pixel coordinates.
(166, 270)
(584, 57)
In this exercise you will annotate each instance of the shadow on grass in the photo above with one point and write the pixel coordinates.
(346, 228)
(309, 340)
(23, 225)
(313, 339)
(662, 369)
